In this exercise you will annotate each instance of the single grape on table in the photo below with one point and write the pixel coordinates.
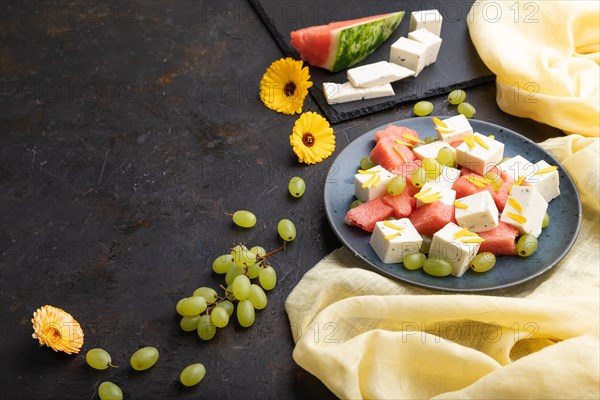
(98, 359)
(466, 109)
(457, 96)
(109, 391)
(287, 230)
(192, 374)
(423, 108)
(144, 358)
(244, 219)
(296, 186)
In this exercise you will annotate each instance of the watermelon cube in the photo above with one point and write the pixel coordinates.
(391, 155)
(397, 132)
(432, 217)
(404, 203)
(367, 214)
(502, 240)
(465, 187)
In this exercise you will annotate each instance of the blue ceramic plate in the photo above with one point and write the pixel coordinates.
(554, 242)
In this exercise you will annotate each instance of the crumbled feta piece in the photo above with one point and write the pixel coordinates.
(456, 128)
(432, 149)
(432, 191)
(428, 19)
(391, 240)
(544, 180)
(456, 245)
(409, 54)
(336, 93)
(372, 183)
(480, 213)
(525, 209)
(377, 74)
(517, 167)
(430, 40)
(479, 153)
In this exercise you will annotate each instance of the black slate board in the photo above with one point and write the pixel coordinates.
(457, 66)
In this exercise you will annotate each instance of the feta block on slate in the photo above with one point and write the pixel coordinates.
(432, 191)
(518, 168)
(430, 40)
(377, 74)
(454, 128)
(392, 239)
(479, 153)
(371, 183)
(525, 209)
(409, 54)
(544, 180)
(456, 245)
(432, 149)
(477, 212)
(428, 19)
(336, 93)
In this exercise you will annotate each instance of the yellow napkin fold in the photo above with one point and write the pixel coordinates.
(545, 55)
(368, 337)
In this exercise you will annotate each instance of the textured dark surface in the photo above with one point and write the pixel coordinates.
(457, 65)
(127, 130)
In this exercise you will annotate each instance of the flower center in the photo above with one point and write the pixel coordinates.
(53, 333)
(289, 89)
(308, 139)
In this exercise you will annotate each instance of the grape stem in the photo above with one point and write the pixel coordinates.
(271, 253)
(112, 366)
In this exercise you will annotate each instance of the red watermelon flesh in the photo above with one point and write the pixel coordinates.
(456, 143)
(396, 132)
(367, 214)
(465, 188)
(501, 196)
(391, 155)
(404, 203)
(407, 169)
(501, 240)
(432, 217)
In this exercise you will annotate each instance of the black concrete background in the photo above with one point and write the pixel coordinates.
(128, 130)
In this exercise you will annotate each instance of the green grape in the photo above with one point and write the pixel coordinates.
(426, 244)
(483, 262)
(193, 306)
(396, 185)
(245, 313)
(240, 287)
(456, 97)
(527, 245)
(259, 251)
(367, 163)
(222, 263)
(144, 358)
(109, 391)
(209, 294)
(189, 324)
(257, 297)
(178, 306)
(234, 271)
(437, 267)
(430, 139)
(238, 248)
(446, 157)
(244, 219)
(418, 177)
(356, 203)
(493, 177)
(229, 294)
(466, 109)
(546, 220)
(287, 230)
(423, 108)
(98, 359)
(296, 186)
(413, 261)
(219, 317)
(228, 306)
(192, 374)
(267, 278)
(253, 271)
(206, 329)
(244, 257)
(432, 168)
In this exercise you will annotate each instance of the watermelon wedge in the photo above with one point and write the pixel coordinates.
(339, 45)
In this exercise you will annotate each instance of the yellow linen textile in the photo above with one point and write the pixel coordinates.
(368, 337)
(545, 56)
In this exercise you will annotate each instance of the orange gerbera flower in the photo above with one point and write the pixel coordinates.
(57, 329)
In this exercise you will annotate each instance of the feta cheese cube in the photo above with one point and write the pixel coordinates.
(391, 240)
(377, 74)
(372, 183)
(430, 40)
(457, 128)
(428, 19)
(517, 167)
(480, 214)
(544, 180)
(432, 149)
(448, 176)
(409, 54)
(525, 209)
(336, 93)
(479, 153)
(456, 245)
(432, 191)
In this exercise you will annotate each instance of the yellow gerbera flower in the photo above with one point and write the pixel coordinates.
(57, 329)
(285, 85)
(312, 138)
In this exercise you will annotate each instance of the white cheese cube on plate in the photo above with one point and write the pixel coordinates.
(448, 176)
(408, 54)
(456, 245)
(456, 128)
(544, 180)
(479, 153)
(372, 183)
(518, 167)
(428, 19)
(477, 212)
(336, 93)
(377, 74)
(432, 149)
(525, 209)
(431, 192)
(430, 40)
(392, 239)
